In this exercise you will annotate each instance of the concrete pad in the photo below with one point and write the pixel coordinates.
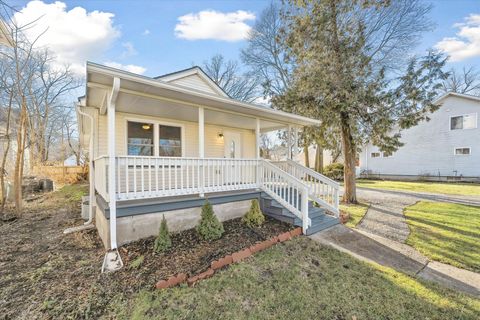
(452, 277)
(367, 249)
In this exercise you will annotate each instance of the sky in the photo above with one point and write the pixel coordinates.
(158, 37)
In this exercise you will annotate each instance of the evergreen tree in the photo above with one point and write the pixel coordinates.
(335, 78)
(254, 217)
(210, 228)
(163, 242)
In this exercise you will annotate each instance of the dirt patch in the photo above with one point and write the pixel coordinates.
(45, 274)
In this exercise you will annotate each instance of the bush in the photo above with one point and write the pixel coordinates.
(163, 241)
(334, 171)
(254, 217)
(210, 228)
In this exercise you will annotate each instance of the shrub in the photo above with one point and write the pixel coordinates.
(334, 171)
(254, 217)
(210, 228)
(163, 241)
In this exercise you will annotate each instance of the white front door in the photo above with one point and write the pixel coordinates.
(233, 144)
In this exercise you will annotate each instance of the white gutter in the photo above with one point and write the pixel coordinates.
(91, 179)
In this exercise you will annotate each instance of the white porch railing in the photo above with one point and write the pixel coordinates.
(323, 190)
(150, 177)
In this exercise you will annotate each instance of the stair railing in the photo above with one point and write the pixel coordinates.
(322, 189)
(287, 190)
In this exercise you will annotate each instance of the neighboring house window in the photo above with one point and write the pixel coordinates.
(387, 154)
(462, 151)
(140, 139)
(170, 141)
(375, 155)
(466, 121)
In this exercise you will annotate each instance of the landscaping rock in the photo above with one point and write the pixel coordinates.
(241, 255)
(222, 262)
(284, 236)
(296, 232)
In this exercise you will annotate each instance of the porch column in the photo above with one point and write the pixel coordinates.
(257, 138)
(201, 148)
(289, 142)
(295, 142)
(201, 132)
(112, 163)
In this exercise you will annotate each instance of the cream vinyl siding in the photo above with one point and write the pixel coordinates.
(214, 145)
(194, 82)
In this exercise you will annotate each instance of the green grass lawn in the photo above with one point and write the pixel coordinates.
(301, 279)
(446, 232)
(467, 189)
(356, 211)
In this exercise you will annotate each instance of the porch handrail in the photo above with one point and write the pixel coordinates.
(287, 190)
(322, 189)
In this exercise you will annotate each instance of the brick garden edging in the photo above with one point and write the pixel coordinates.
(227, 260)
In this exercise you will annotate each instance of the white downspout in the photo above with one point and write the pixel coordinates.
(91, 178)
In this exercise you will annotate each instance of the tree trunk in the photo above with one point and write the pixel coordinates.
(319, 159)
(18, 175)
(307, 156)
(350, 192)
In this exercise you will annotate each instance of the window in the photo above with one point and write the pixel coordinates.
(140, 138)
(462, 151)
(375, 154)
(232, 149)
(387, 154)
(170, 141)
(466, 121)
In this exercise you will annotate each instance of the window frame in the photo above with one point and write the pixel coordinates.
(462, 155)
(463, 115)
(156, 132)
(377, 152)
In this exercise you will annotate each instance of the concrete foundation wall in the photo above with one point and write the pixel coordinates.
(136, 227)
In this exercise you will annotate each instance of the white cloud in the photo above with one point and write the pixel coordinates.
(467, 42)
(74, 36)
(146, 32)
(210, 24)
(127, 67)
(129, 50)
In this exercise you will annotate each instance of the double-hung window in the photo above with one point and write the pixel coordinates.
(462, 151)
(466, 121)
(153, 139)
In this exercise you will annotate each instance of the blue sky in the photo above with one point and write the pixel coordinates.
(140, 35)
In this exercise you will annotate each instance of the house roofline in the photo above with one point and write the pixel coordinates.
(113, 72)
(455, 94)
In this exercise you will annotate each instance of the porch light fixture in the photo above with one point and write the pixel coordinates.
(146, 127)
(220, 135)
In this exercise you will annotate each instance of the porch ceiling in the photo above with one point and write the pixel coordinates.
(147, 96)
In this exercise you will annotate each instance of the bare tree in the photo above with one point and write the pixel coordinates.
(227, 75)
(264, 54)
(466, 81)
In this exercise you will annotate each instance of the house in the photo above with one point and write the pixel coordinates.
(329, 156)
(445, 148)
(161, 146)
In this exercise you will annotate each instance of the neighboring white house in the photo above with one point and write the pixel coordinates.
(445, 148)
(160, 146)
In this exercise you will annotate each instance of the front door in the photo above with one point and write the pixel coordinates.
(233, 146)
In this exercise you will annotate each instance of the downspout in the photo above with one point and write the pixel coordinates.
(91, 178)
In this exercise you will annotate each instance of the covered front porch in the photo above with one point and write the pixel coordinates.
(154, 140)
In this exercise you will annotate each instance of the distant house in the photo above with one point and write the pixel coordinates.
(445, 148)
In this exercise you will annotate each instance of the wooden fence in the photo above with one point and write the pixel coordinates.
(61, 174)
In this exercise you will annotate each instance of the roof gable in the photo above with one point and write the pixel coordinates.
(194, 78)
(458, 95)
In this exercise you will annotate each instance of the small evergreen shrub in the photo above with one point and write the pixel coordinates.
(163, 241)
(210, 228)
(334, 171)
(254, 217)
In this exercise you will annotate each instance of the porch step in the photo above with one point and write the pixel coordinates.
(320, 220)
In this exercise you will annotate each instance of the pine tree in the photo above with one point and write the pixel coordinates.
(254, 217)
(210, 228)
(163, 241)
(336, 79)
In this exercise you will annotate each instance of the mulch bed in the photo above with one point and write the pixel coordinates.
(192, 255)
